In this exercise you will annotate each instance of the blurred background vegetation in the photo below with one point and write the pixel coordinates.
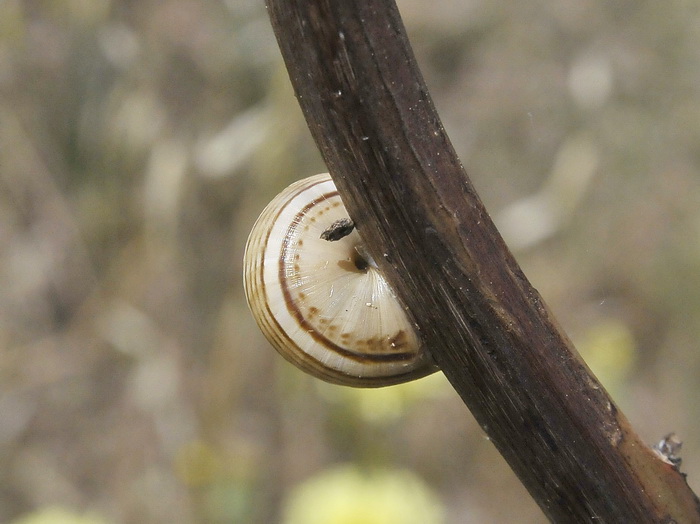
(138, 142)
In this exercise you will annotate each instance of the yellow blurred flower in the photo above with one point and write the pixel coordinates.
(389, 403)
(57, 515)
(609, 350)
(197, 464)
(348, 495)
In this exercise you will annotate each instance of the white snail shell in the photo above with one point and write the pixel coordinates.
(324, 305)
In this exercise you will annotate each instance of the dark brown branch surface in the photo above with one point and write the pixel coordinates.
(370, 113)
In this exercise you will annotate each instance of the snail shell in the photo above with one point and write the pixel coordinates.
(324, 305)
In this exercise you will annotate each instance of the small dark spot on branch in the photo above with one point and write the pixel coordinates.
(338, 229)
(669, 448)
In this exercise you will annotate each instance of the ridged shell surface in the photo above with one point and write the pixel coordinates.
(324, 305)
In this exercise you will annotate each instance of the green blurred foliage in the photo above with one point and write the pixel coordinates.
(138, 142)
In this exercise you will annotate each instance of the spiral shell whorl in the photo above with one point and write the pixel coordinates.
(324, 305)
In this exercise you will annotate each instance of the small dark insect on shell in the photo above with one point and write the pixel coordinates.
(338, 229)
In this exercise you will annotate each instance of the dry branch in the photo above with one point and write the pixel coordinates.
(370, 113)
